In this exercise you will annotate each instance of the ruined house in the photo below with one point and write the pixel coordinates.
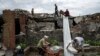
(34, 26)
(17, 22)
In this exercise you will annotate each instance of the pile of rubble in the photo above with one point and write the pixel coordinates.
(88, 25)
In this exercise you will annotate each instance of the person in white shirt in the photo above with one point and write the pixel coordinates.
(77, 44)
(80, 41)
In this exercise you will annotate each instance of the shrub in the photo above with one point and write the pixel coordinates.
(93, 42)
(23, 46)
(53, 41)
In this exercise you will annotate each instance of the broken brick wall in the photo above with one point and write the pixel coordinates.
(9, 29)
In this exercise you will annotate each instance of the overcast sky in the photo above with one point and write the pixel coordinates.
(76, 7)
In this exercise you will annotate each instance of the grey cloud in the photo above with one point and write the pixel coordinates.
(75, 6)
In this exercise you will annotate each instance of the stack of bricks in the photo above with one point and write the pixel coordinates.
(51, 53)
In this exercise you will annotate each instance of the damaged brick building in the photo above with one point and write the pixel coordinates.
(21, 21)
(13, 24)
(36, 25)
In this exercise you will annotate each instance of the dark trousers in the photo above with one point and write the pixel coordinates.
(41, 51)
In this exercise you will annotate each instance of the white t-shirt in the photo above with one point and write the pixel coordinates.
(80, 40)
